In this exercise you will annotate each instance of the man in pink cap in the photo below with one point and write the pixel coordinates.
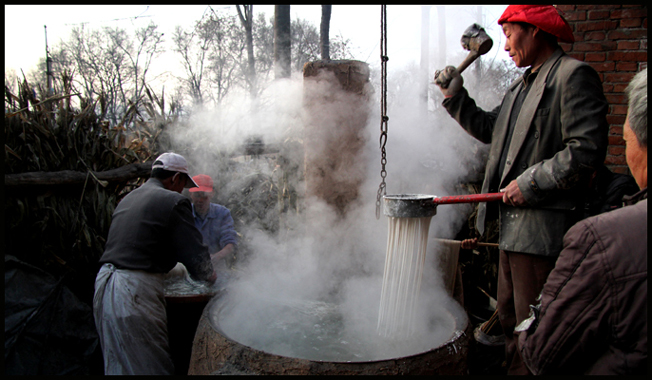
(151, 231)
(547, 137)
(215, 223)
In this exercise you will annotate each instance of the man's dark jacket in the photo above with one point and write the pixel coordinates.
(593, 312)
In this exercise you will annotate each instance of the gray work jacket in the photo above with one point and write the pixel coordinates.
(152, 229)
(559, 137)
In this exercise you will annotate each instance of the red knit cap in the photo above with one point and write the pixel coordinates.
(545, 17)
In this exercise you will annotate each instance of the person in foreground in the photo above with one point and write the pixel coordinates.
(215, 223)
(547, 136)
(152, 229)
(592, 318)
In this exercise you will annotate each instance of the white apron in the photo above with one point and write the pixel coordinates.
(130, 317)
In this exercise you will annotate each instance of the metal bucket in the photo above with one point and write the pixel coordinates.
(184, 307)
(409, 206)
(215, 352)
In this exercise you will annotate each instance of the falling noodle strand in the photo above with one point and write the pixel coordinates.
(407, 240)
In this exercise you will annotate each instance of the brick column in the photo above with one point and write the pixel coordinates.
(612, 39)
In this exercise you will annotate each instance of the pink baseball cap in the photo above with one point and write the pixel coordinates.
(204, 183)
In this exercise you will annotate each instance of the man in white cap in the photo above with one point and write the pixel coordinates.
(152, 229)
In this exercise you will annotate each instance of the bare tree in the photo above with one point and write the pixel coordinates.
(282, 41)
(193, 62)
(307, 44)
(324, 29)
(212, 53)
(108, 64)
(148, 45)
(246, 18)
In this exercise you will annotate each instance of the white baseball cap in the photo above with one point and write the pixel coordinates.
(174, 163)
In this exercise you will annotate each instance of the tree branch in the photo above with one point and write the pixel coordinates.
(71, 177)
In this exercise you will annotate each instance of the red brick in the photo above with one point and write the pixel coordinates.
(619, 109)
(603, 67)
(631, 22)
(628, 45)
(623, 77)
(626, 66)
(607, 87)
(575, 16)
(616, 124)
(629, 13)
(595, 57)
(627, 34)
(566, 7)
(596, 25)
(587, 46)
(616, 130)
(576, 55)
(616, 140)
(595, 36)
(598, 14)
(594, 46)
(607, 6)
(615, 160)
(627, 56)
(616, 150)
(620, 87)
(616, 98)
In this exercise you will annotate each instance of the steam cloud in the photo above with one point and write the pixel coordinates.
(323, 261)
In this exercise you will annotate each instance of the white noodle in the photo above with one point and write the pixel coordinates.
(407, 240)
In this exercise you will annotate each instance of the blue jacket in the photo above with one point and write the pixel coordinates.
(217, 228)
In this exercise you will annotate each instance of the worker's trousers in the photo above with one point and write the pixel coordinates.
(130, 317)
(520, 280)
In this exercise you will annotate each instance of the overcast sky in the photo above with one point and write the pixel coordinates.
(25, 33)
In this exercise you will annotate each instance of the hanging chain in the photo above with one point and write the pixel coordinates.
(383, 107)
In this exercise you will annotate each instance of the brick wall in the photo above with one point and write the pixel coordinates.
(612, 39)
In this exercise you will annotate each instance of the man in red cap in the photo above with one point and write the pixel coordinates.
(547, 136)
(216, 225)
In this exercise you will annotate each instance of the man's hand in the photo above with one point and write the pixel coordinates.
(226, 251)
(512, 195)
(449, 80)
(469, 243)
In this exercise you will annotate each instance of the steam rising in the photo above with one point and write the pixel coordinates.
(321, 268)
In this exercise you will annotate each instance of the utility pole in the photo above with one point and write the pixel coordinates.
(425, 55)
(441, 59)
(48, 62)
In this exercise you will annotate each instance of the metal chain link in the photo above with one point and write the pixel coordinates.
(383, 107)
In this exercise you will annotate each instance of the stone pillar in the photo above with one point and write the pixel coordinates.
(336, 101)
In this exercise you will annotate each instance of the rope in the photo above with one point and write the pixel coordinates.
(383, 107)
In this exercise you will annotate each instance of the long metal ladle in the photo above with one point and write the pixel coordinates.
(419, 205)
